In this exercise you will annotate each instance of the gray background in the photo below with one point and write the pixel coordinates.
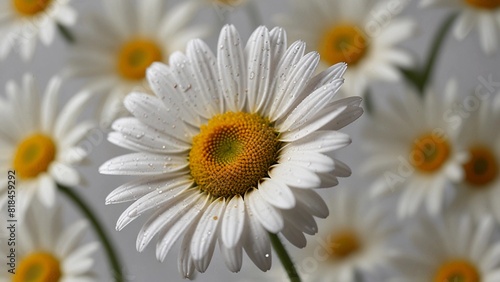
(463, 60)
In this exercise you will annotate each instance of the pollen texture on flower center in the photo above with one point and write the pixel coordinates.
(34, 155)
(343, 43)
(484, 4)
(344, 244)
(30, 7)
(482, 167)
(38, 267)
(232, 153)
(429, 153)
(457, 270)
(136, 56)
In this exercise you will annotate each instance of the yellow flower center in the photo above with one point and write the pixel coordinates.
(484, 4)
(429, 153)
(34, 155)
(136, 56)
(344, 244)
(30, 7)
(38, 267)
(457, 271)
(482, 168)
(232, 152)
(343, 43)
(228, 2)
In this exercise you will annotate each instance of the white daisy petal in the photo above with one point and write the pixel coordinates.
(312, 202)
(230, 63)
(277, 194)
(72, 236)
(313, 161)
(185, 263)
(206, 186)
(294, 176)
(311, 105)
(165, 196)
(65, 174)
(259, 68)
(142, 163)
(170, 218)
(47, 195)
(204, 237)
(78, 262)
(278, 46)
(268, 216)
(233, 257)
(464, 25)
(205, 73)
(136, 189)
(163, 83)
(70, 112)
(295, 236)
(291, 57)
(170, 235)
(233, 222)
(488, 34)
(49, 103)
(137, 136)
(257, 244)
(294, 81)
(150, 111)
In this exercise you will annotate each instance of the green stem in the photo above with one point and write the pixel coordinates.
(284, 258)
(84, 208)
(66, 34)
(368, 102)
(420, 78)
(436, 48)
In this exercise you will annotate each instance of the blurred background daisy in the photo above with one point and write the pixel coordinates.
(38, 143)
(120, 42)
(46, 250)
(351, 32)
(484, 15)
(22, 22)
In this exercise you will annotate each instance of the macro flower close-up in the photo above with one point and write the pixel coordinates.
(250, 140)
(228, 160)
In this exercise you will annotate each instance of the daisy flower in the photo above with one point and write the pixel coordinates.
(412, 146)
(231, 148)
(351, 32)
(451, 249)
(480, 187)
(123, 41)
(47, 252)
(22, 21)
(485, 14)
(39, 145)
(354, 240)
